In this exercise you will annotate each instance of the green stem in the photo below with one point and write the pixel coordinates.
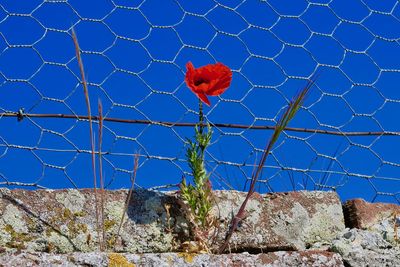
(201, 129)
(201, 117)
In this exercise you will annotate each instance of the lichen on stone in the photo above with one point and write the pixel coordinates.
(114, 210)
(59, 244)
(13, 216)
(14, 232)
(188, 257)
(325, 224)
(118, 260)
(18, 239)
(291, 225)
(386, 228)
(150, 238)
(68, 223)
(5, 237)
(72, 200)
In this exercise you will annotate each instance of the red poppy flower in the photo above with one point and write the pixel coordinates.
(210, 80)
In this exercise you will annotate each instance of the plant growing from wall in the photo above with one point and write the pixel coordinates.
(287, 116)
(209, 80)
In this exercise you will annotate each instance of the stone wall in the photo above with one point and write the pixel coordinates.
(303, 228)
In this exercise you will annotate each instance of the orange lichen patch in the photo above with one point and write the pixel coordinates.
(118, 260)
(188, 257)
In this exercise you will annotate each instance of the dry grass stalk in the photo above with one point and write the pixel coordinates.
(86, 92)
(289, 114)
(128, 199)
(102, 196)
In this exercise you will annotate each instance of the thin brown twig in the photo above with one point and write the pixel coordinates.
(86, 92)
(191, 124)
(289, 114)
(133, 179)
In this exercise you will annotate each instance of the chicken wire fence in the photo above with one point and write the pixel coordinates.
(345, 138)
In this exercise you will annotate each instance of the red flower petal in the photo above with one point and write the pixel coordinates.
(204, 98)
(212, 80)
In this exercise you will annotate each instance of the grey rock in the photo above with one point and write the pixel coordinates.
(273, 259)
(281, 221)
(365, 248)
(381, 218)
(63, 221)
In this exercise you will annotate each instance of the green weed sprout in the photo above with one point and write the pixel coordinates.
(209, 80)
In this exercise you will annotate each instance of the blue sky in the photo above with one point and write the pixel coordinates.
(135, 53)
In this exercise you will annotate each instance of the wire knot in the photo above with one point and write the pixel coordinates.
(20, 114)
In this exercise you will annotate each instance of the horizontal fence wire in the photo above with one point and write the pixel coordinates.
(345, 137)
(21, 115)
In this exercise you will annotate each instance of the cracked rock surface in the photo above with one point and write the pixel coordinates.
(63, 221)
(303, 228)
(272, 259)
(365, 248)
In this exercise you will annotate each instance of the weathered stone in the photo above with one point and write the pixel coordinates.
(64, 221)
(381, 218)
(365, 248)
(281, 221)
(362, 214)
(281, 258)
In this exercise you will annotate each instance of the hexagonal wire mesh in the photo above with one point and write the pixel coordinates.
(135, 54)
